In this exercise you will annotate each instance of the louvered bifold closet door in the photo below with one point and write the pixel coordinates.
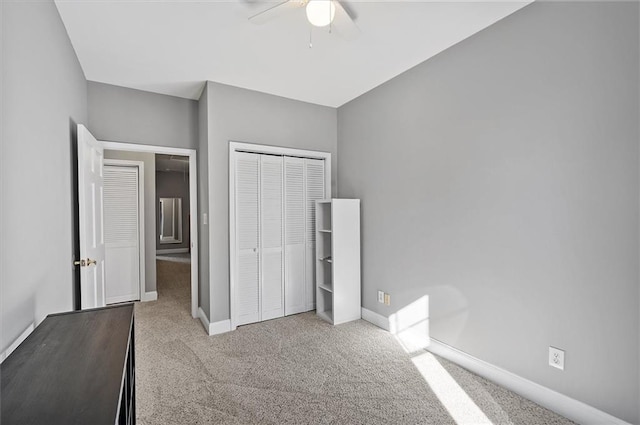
(294, 235)
(271, 223)
(314, 190)
(121, 234)
(247, 288)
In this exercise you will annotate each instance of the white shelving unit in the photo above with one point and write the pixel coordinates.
(338, 260)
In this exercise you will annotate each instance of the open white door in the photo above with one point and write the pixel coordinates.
(90, 200)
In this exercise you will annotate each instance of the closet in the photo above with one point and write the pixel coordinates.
(273, 266)
(123, 216)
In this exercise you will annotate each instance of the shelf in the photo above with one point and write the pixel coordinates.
(326, 315)
(338, 283)
(325, 287)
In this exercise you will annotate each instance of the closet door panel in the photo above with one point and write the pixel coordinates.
(314, 190)
(271, 230)
(247, 289)
(121, 234)
(247, 294)
(294, 235)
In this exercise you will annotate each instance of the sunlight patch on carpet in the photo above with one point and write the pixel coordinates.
(460, 406)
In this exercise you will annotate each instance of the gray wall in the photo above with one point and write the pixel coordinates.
(203, 202)
(501, 179)
(248, 116)
(173, 184)
(121, 114)
(44, 95)
(149, 160)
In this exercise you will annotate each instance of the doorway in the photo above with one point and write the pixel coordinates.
(180, 231)
(173, 247)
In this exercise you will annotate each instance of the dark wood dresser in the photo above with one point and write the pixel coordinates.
(74, 368)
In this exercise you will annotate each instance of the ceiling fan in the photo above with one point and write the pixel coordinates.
(335, 15)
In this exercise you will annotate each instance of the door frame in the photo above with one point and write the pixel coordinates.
(193, 201)
(235, 147)
(141, 248)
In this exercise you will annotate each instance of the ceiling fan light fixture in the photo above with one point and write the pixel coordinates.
(320, 13)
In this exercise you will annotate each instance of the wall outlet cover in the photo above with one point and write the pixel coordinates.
(380, 296)
(387, 299)
(556, 358)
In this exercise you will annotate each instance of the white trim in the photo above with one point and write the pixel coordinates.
(216, 327)
(193, 202)
(568, 407)
(134, 147)
(141, 242)
(149, 296)
(203, 319)
(220, 327)
(193, 237)
(277, 150)
(172, 251)
(16, 342)
(255, 148)
(376, 319)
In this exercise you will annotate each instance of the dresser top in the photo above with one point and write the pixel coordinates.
(69, 370)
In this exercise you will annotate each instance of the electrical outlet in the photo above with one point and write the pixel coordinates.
(556, 358)
(387, 299)
(380, 296)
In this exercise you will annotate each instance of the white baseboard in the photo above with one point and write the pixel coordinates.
(568, 407)
(149, 296)
(17, 342)
(172, 251)
(220, 327)
(216, 327)
(376, 319)
(411, 328)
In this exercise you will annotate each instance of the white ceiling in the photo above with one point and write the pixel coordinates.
(172, 47)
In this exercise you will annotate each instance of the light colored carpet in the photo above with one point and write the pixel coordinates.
(300, 370)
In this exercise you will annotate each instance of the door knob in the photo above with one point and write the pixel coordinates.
(84, 263)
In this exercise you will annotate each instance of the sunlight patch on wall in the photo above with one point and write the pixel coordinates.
(460, 406)
(410, 325)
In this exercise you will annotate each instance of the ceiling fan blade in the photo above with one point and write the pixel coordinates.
(347, 9)
(273, 11)
(343, 24)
